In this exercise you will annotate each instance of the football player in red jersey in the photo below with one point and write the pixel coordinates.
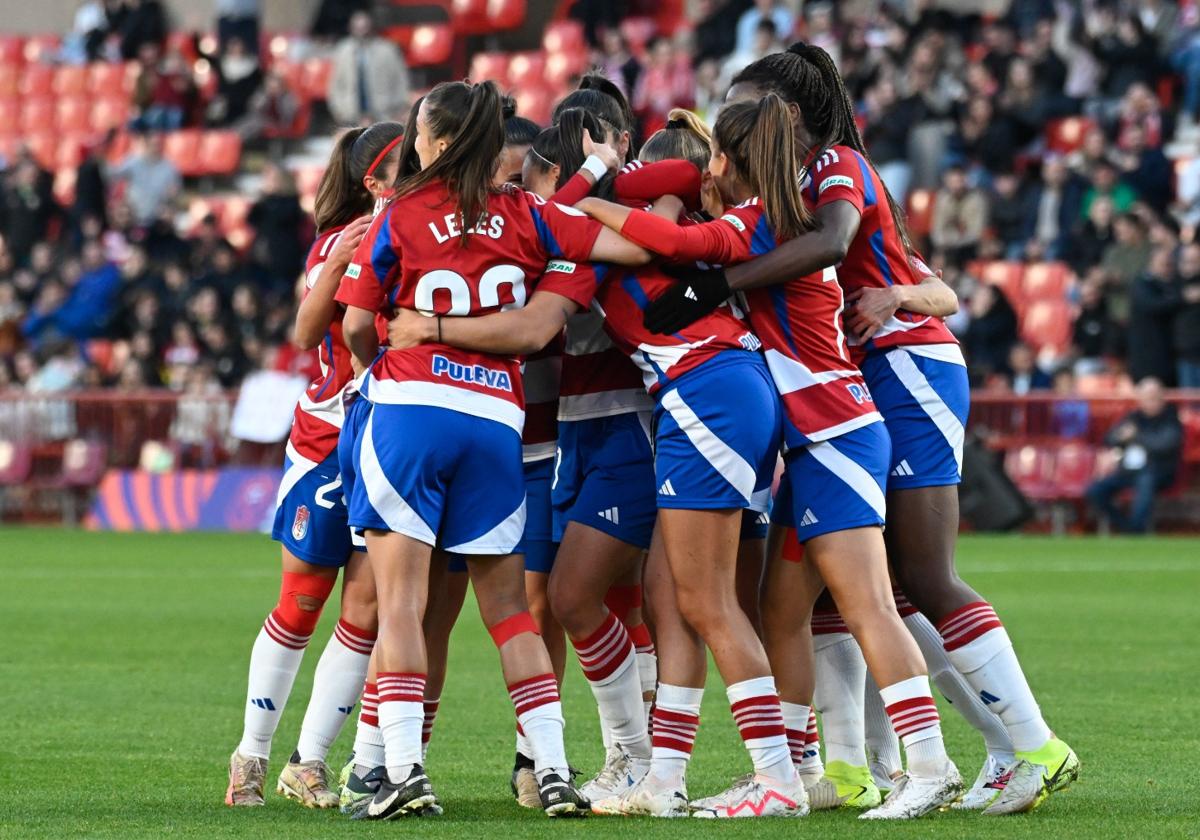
(917, 375)
(452, 244)
(310, 519)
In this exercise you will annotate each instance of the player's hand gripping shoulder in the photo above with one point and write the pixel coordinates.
(873, 307)
(410, 328)
(318, 308)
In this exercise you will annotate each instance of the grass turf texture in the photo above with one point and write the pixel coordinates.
(123, 673)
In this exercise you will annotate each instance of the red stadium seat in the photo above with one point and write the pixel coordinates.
(1005, 274)
(120, 147)
(83, 464)
(10, 80)
(10, 114)
(41, 48)
(111, 78)
(182, 148)
(489, 65)
(110, 112)
(920, 211)
(16, 462)
(1046, 281)
(535, 103)
(37, 80)
(505, 14)
(70, 150)
(293, 74)
(219, 153)
(431, 45)
(64, 186)
(70, 81)
(185, 44)
(561, 67)
(37, 115)
(73, 115)
(1066, 135)
(234, 212)
(12, 50)
(43, 145)
(564, 36)
(470, 17)
(1032, 469)
(1074, 467)
(525, 70)
(316, 78)
(1047, 324)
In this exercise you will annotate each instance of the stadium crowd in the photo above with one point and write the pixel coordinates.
(119, 287)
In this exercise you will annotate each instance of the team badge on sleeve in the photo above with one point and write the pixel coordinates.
(300, 523)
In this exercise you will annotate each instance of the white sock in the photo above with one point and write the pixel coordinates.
(523, 743)
(841, 674)
(803, 741)
(978, 645)
(883, 747)
(274, 661)
(756, 710)
(610, 666)
(401, 717)
(647, 666)
(955, 689)
(337, 683)
(539, 712)
(676, 722)
(368, 739)
(914, 715)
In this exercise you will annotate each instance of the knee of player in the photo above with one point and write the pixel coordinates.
(308, 603)
(869, 615)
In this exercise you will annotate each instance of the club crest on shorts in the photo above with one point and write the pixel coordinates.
(300, 523)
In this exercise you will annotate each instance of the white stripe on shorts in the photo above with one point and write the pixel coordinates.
(300, 467)
(500, 540)
(851, 472)
(732, 466)
(949, 353)
(391, 507)
(910, 375)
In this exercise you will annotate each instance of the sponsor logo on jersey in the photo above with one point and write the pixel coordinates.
(835, 181)
(749, 341)
(300, 523)
(735, 221)
(353, 271)
(859, 392)
(563, 266)
(474, 374)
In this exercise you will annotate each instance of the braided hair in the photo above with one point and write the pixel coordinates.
(806, 76)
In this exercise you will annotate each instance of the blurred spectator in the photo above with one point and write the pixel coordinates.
(84, 308)
(1105, 185)
(747, 25)
(666, 83)
(1127, 53)
(205, 243)
(333, 16)
(1148, 442)
(1186, 327)
(26, 207)
(1146, 169)
(164, 94)
(1024, 374)
(239, 76)
(88, 29)
(1094, 337)
(617, 63)
(1151, 310)
(1011, 214)
(1140, 108)
(1088, 245)
(91, 190)
(765, 41)
(238, 19)
(1070, 417)
(1054, 208)
(959, 217)
(279, 243)
(141, 22)
(991, 332)
(716, 27)
(1123, 260)
(889, 122)
(272, 109)
(370, 79)
(151, 180)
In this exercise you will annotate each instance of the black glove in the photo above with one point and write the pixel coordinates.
(695, 293)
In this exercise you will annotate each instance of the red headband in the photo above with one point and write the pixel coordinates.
(379, 157)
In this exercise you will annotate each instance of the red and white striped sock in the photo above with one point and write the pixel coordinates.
(759, 719)
(368, 740)
(610, 665)
(539, 714)
(804, 743)
(401, 717)
(841, 675)
(274, 661)
(647, 664)
(980, 649)
(676, 722)
(431, 710)
(914, 716)
(336, 686)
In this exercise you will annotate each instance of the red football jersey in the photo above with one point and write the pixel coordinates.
(877, 257)
(799, 322)
(319, 415)
(413, 257)
(540, 377)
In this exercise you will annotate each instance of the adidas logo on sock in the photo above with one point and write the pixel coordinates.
(988, 698)
(902, 469)
(666, 489)
(763, 518)
(612, 514)
(690, 294)
(264, 703)
(809, 518)
(345, 709)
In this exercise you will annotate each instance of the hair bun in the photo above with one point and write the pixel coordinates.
(508, 107)
(677, 122)
(799, 48)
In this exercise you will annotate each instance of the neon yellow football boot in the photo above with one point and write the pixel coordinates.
(855, 786)
(1050, 769)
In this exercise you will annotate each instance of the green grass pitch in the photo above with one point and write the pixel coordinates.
(122, 675)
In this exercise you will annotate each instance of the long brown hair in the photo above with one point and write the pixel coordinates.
(470, 118)
(341, 196)
(685, 137)
(601, 98)
(757, 138)
(562, 145)
(806, 76)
